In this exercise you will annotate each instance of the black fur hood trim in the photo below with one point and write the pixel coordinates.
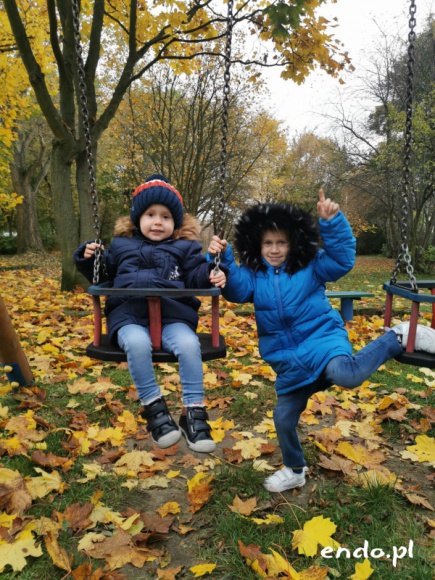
(299, 225)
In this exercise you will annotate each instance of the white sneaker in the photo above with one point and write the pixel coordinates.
(284, 479)
(424, 338)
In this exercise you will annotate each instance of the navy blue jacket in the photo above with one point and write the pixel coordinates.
(137, 262)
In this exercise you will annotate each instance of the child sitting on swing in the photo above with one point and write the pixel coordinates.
(283, 272)
(157, 247)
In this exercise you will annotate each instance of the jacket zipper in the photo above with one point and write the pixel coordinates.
(281, 316)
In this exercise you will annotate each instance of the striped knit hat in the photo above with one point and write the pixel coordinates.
(157, 189)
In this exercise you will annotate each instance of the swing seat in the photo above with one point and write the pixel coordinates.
(212, 344)
(404, 290)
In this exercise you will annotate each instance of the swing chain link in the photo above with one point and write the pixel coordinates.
(404, 248)
(98, 262)
(224, 138)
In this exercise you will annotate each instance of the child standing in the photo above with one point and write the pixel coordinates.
(283, 272)
(157, 247)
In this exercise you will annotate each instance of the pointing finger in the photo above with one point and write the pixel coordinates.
(321, 195)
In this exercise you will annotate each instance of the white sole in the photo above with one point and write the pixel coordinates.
(201, 446)
(168, 440)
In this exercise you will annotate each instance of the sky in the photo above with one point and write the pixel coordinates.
(359, 22)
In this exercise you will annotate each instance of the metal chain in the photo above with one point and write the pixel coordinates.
(224, 130)
(404, 249)
(98, 262)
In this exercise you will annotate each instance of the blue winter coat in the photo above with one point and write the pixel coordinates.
(298, 330)
(137, 262)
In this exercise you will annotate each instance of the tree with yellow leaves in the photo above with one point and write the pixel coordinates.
(129, 38)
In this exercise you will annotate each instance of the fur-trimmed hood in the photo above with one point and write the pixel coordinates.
(190, 228)
(297, 223)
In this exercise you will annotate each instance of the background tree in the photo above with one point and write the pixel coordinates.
(375, 144)
(173, 125)
(29, 166)
(135, 39)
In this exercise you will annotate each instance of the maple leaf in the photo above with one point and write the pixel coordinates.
(359, 454)
(199, 491)
(267, 426)
(117, 549)
(15, 554)
(134, 463)
(51, 460)
(376, 477)
(219, 428)
(250, 449)
(424, 449)
(168, 573)
(243, 507)
(14, 496)
(267, 565)
(39, 487)
(336, 463)
(77, 516)
(363, 570)
(418, 500)
(316, 531)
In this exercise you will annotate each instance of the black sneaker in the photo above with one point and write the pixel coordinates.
(196, 430)
(163, 429)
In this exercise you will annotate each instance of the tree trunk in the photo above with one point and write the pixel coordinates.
(87, 229)
(65, 214)
(28, 237)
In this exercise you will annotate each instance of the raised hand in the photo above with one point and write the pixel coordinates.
(217, 245)
(326, 209)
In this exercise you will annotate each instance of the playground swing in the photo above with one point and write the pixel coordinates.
(409, 289)
(212, 344)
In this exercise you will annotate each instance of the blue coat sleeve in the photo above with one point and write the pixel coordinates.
(240, 282)
(86, 265)
(339, 248)
(196, 268)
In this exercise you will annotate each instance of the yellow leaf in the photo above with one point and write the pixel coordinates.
(39, 487)
(58, 555)
(316, 531)
(210, 379)
(282, 565)
(171, 474)
(202, 569)
(362, 571)
(170, 507)
(250, 449)
(15, 554)
(270, 519)
(424, 448)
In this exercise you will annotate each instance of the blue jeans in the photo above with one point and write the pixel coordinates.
(345, 371)
(177, 338)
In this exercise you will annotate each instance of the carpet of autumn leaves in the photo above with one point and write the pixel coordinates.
(77, 428)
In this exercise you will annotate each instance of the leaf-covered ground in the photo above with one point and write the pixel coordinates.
(83, 492)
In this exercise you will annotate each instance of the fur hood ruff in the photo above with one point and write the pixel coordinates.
(297, 223)
(190, 228)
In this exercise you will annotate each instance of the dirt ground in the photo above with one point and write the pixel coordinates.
(183, 550)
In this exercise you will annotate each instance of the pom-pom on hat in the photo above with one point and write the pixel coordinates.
(157, 189)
